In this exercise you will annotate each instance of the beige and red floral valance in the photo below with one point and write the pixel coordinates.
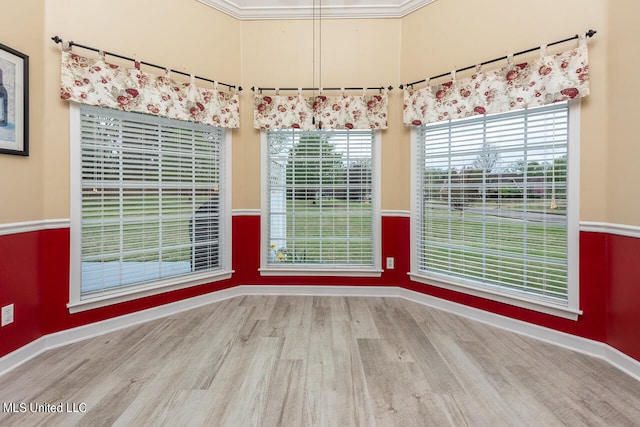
(96, 82)
(551, 78)
(326, 112)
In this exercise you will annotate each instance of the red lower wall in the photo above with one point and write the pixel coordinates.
(623, 294)
(20, 276)
(34, 276)
(592, 324)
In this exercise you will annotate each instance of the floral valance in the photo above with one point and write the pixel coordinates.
(326, 112)
(551, 78)
(96, 82)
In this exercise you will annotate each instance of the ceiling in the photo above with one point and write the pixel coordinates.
(306, 9)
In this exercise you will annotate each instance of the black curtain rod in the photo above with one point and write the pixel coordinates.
(589, 33)
(71, 44)
(260, 89)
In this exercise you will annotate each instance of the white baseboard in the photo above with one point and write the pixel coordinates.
(582, 345)
(69, 336)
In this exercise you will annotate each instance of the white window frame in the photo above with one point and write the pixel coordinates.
(285, 269)
(571, 309)
(77, 302)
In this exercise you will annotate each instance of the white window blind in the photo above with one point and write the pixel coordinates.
(320, 198)
(492, 208)
(152, 199)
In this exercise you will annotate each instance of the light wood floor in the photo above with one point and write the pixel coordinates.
(314, 361)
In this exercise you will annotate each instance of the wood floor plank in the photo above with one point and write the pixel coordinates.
(354, 408)
(249, 406)
(393, 386)
(362, 323)
(285, 395)
(296, 340)
(314, 361)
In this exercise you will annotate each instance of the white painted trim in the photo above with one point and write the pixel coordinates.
(266, 11)
(618, 359)
(376, 208)
(325, 290)
(131, 293)
(572, 342)
(582, 345)
(264, 199)
(312, 270)
(226, 261)
(383, 212)
(399, 213)
(569, 309)
(77, 302)
(322, 272)
(75, 203)
(573, 208)
(29, 226)
(246, 212)
(414, 209)
(54, 224)
(617, 229)
(516, 299)
(69, 336)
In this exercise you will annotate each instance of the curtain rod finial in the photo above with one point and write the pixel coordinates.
(591, 33)
(56, 39)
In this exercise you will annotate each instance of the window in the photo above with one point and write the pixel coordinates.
(496, 206)
(150, 203)
(320, 202)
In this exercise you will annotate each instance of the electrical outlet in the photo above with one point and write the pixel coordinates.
(7, 314)
(390, 263)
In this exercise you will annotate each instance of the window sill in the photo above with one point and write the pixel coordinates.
(117, 296)
(333, 272)
(514, 299)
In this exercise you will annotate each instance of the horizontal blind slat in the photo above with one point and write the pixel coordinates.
(320, 188)
(143, 180)
(485, 186)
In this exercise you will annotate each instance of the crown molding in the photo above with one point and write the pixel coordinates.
(269, 10)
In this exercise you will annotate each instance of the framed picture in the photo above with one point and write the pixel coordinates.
(14, 102)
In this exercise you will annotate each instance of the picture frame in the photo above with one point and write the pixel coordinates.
(14, 102)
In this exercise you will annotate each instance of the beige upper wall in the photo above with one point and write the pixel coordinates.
(21, 177)
(189, 36)
(451, 34)
(355, 53)
(184, 35)
(623, 143)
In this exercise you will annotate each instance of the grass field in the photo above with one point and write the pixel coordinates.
(133, 229)
(327, 231)
(471, 245)
(524, 254)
